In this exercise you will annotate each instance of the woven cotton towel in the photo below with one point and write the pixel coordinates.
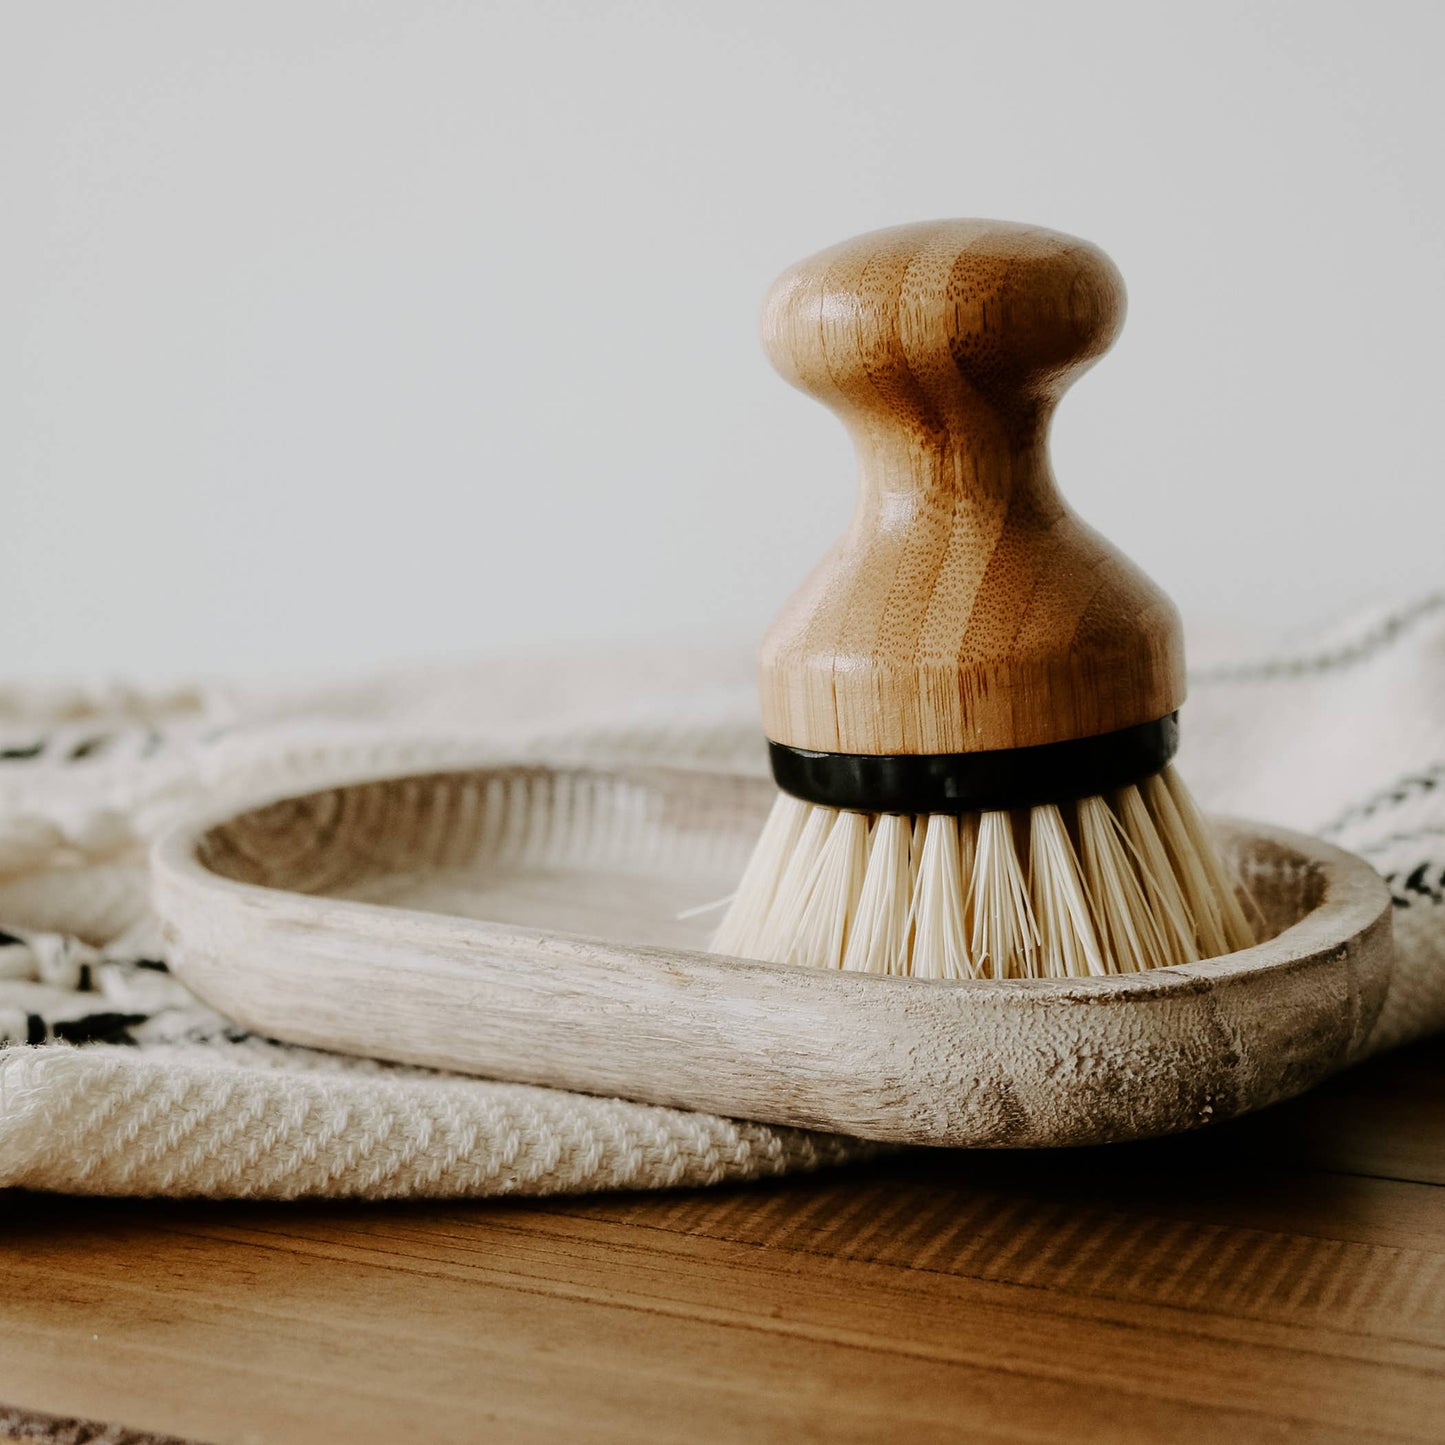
(114, 1080)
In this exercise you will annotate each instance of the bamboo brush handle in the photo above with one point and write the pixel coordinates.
(966, 608)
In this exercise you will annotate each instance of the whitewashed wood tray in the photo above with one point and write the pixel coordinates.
(523, 923)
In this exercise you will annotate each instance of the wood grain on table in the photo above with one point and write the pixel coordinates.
(1282, 1277)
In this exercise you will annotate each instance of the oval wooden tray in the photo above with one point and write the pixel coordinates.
(522, 923)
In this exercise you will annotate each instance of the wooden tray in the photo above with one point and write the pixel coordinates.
(522, 923)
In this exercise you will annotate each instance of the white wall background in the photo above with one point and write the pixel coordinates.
(337, 333)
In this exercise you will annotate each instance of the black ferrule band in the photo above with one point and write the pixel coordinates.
(976, 782)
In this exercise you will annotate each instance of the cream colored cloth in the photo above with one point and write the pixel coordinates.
(1344, 736)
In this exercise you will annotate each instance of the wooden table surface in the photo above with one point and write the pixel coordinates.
(1280, 1278)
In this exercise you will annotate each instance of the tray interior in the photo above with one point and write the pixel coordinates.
(624, 856)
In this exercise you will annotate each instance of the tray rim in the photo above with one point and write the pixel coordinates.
(1353, 890)
(976, 1062)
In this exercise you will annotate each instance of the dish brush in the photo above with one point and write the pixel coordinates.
(972, 703)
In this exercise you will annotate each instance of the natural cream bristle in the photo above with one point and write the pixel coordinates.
(878, 941)
(1166, 903)
(776, 920)
(1005, 936)
(1102, 886)
(1219, 920)
(1065, 919)
(832, 890)
(741, 931)
(1238, 931)
(1121, 910)
(939, 935)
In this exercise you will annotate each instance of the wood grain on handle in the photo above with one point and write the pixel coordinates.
(965, 608)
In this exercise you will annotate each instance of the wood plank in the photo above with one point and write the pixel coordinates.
(511, 1360)
(660, 1289)
(533, 1341)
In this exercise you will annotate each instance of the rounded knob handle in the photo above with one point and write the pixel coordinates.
(966, 608)
(940, 327)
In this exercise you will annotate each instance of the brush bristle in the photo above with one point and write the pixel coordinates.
(1100, 886)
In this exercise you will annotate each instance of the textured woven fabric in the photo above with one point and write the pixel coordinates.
(114, 1080)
